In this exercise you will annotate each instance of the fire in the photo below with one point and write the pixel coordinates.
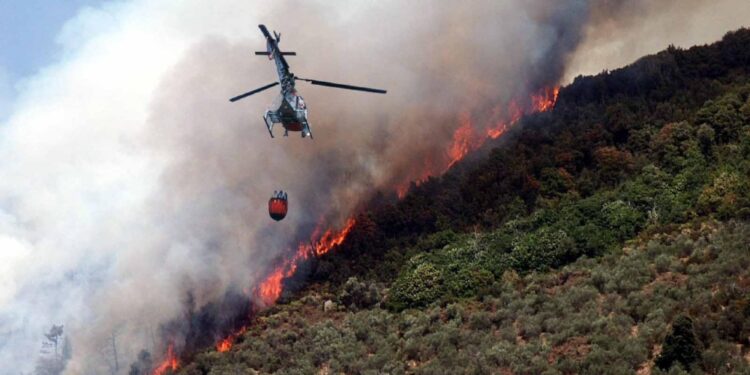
(545, 99)
(226, 344)
(467, 138)
(331, 239)
(463, 141)
(270, 289)
(169, 363)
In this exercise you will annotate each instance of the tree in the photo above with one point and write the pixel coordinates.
(109, 351)
(680, 346)
(54, 335)
(358, 294)
(419, 287)
(53, 363)
(143, 364)
(613, 164)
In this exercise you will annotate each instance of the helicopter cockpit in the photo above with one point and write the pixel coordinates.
(301, 103)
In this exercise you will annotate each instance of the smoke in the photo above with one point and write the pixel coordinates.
(644, 27)
(133, 192)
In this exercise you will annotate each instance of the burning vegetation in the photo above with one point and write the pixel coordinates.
(562, 212)
(169, 363)
(466, 138)
(470, 136)
(270, 289)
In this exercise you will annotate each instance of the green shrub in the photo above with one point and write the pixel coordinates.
(680, 346)
(416, 288)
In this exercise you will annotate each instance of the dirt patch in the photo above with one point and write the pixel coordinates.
(565, 280)
(645, 369)
(325, 369)
(519, 337)
(575, 348)
(667, 278)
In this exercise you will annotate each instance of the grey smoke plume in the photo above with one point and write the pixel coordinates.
(131, 185)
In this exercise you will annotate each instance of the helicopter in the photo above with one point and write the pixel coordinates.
(289, 109)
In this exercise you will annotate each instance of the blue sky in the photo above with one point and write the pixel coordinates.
(28, 29)
(28, 32)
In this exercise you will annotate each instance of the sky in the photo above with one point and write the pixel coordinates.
(28, 39)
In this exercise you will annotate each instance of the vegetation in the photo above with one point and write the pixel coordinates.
(677, 297)
(607, 236)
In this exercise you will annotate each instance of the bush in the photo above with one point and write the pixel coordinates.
(680, 346)
(358, 295)
(416, 288)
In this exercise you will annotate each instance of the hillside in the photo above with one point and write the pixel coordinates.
(605, 236)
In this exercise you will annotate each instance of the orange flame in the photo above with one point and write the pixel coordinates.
(462, 141)
(169, 363)
(545, 100)
(331, 239)
(270, 289)
(466, 138)
(226, 344)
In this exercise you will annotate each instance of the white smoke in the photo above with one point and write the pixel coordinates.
(128, 180)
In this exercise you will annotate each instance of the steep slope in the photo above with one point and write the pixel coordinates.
(608, 315)
(590, 239)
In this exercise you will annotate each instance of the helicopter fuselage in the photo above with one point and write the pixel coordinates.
(289, 109)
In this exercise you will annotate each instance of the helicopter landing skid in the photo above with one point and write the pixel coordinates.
(269, 125)
(306, 129)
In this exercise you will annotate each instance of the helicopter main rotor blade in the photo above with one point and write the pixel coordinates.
(245, 95)
(342, 86)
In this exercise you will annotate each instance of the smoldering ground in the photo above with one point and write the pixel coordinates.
(145, 198)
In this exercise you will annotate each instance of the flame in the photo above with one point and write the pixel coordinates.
(226, 344)
(331, 239)
(467, 138)
(270, 289)
(169, 363)
(545, 99)
(463, 141)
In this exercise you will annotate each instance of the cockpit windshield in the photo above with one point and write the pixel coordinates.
(300, 103)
